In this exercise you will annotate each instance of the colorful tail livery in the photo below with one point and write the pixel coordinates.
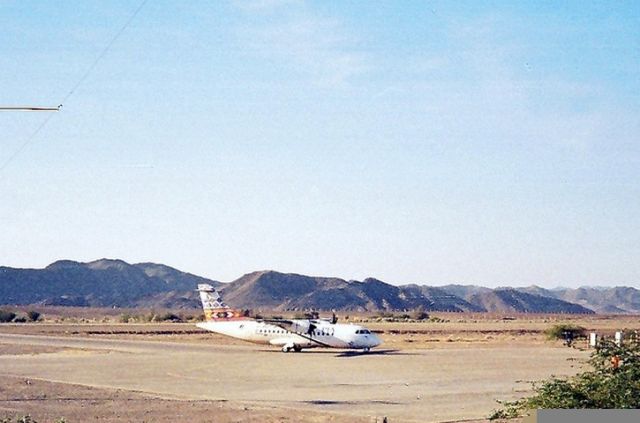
(214, 308)
(289, 334)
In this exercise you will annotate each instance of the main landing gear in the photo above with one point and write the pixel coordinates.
(288, 348)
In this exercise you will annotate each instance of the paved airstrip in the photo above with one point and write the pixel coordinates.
(407, 385)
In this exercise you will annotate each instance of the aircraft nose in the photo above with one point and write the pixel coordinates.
(375, 341)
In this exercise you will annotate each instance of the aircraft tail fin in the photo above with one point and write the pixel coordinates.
(213, 306)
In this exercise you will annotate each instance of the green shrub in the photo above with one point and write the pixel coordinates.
(196, 317)
(22, 419)
(605, 386)
(125, 318)
(307, 315)
(27, 419)
(169, 317)
(274, 316)
(20, 319)
(33, 315)
(6, 316)
(419, 314)
(563, 330)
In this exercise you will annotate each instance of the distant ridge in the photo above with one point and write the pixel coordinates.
(116, 283)
(100, 283)
(513, 300)
(611, 300)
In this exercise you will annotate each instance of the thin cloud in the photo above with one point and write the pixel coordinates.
(304, 42)
(479, 89)
(263, 5)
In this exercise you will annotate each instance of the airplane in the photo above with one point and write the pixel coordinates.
(289, 334)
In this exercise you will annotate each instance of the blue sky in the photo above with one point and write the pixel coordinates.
(417, 142)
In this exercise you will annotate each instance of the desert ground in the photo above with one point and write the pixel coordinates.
(453, 369)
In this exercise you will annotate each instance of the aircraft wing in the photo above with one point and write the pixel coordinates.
(299, 326)
(277, 322)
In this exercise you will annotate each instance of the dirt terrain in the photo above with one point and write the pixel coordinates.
(438, 371)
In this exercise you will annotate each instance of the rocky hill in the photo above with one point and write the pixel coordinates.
(100, 283)
(115, 283)
(512, 300)
(614, 300)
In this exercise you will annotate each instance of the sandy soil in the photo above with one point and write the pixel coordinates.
(451, 370)
(48, 401)
(451, 383)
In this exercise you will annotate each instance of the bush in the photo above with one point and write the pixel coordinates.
(564, 331)
(23, 419)
(272, 316)
(419, 314)
(33, 315)
(6, 316)
(20, 319)
(125, 318)
(27, 419)
(307, 315)
(613, 382)
(168, 317)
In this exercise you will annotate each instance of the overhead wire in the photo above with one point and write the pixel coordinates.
(29, 109)
(74, 87)
(104, 51)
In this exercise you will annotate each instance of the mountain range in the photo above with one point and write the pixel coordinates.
(115, 283)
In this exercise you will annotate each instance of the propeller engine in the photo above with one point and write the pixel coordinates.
(303, 326)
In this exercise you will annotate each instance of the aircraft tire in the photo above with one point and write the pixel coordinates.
(297, 348)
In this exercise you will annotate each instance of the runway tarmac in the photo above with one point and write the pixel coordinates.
(412, 385)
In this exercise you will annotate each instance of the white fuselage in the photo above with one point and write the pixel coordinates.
(325, 334)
